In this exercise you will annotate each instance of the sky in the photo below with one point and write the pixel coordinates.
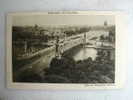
(90, 20)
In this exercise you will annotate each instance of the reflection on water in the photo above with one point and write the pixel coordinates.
(84, 53)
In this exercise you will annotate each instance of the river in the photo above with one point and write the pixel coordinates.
(84, 53)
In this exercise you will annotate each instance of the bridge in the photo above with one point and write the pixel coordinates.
(47, 54)
(70, 42)
(82, 39)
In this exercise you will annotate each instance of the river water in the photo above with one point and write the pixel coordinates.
(84, 53)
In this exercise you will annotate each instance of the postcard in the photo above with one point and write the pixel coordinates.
(65, 50)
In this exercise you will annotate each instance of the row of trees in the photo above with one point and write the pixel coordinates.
(40, 32)
(109, 38)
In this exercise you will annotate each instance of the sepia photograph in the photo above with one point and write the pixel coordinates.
(56, 48)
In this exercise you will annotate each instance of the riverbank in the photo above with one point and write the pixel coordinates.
(67, 70)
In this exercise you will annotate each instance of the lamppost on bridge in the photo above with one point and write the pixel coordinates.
(57, 48)
(84, 40)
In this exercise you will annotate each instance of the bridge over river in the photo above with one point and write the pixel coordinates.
(64, 45)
